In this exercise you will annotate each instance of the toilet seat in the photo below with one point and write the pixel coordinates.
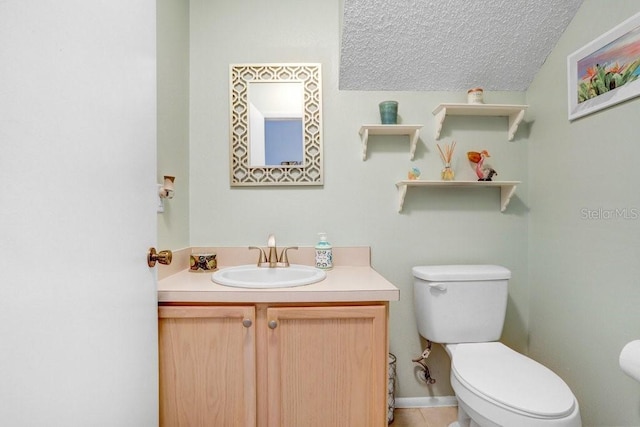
(512, 381)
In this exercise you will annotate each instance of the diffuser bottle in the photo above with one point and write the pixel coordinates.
(324, 254)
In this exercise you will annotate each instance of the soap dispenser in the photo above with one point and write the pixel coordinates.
(324, 255)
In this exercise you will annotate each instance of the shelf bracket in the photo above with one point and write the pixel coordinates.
(364, 136)
(440, 116)
(506, 192)
(402, 188)
(514, 122)
(413, 137)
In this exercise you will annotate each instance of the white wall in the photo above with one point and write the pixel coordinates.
(358, 203)
(585, 274)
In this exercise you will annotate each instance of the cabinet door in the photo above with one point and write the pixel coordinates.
(207, 366)
(327, 366)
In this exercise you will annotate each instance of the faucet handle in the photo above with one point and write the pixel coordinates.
(283, 256)
(262, 258)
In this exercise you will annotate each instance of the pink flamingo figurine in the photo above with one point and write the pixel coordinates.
(484, 174)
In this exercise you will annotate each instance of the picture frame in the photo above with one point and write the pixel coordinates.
(606, 71)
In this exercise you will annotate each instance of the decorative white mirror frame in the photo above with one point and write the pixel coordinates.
(242, 173)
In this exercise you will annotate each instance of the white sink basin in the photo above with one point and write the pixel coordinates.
(252, 276)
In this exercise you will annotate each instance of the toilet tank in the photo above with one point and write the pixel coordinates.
(460, 303)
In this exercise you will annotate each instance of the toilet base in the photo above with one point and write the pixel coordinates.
(457, 424)
(469, 417)
(465, 420)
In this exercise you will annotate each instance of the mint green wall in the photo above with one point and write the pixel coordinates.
(173, 118)
(358, 203)
(574, 296)
(584, 275)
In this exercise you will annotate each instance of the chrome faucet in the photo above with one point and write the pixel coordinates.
(272, 260)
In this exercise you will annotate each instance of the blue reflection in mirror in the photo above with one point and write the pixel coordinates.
(283, 141)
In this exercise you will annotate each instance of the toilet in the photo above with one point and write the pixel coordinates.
(463, 308)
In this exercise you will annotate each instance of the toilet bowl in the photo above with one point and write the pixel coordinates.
(496, 386)
(463, 308)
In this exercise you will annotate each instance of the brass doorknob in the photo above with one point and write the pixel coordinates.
(163, 257)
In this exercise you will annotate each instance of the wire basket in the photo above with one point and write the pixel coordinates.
(391, 399)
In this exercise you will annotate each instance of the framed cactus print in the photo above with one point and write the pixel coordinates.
(606, 71)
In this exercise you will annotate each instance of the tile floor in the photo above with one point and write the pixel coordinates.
(424, 417)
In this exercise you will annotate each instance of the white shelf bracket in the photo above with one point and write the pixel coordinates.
(506, 192)
(440, 116)
(402, 188)
(414, 142)
(514, 122)
(364, 136)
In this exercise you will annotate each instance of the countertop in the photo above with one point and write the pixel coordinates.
(344, 283)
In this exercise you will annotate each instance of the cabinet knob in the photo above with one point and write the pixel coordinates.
(273, 324)
(247, 323)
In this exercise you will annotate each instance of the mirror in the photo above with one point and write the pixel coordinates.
(275, 124)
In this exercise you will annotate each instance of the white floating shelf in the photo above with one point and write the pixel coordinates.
(412, 131)
(515, 113)
(507, 188)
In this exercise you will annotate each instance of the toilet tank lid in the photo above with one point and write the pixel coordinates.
(460, 273)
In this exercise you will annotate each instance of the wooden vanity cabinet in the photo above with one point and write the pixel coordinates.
(327, 366)
(314, 365)
(207, 366)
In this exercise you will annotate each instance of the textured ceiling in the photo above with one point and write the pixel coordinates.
(448, 45)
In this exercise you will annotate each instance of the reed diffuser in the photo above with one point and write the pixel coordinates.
(446, 156)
